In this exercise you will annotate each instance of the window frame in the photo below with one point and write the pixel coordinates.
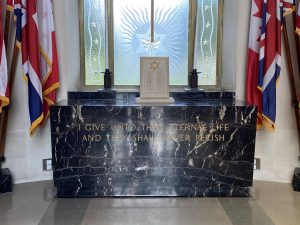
(191, 35)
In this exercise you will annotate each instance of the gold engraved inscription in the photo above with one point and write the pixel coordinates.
(91, 138)
(155, 132)
(210, 138)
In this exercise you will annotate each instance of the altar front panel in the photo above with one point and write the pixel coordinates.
(117, 148)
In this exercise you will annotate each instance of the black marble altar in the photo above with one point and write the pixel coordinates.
(5, 181)
(107, 147)
(296, 180)
(186, 95)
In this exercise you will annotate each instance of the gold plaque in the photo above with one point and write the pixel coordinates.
(154, 86)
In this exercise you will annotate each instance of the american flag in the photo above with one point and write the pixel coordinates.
(4, 90)
(264, 56)
(27, 29)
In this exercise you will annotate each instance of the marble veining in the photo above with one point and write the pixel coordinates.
(114, 147)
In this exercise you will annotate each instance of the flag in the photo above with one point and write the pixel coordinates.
(253, 94)
(48, 54)
(27, 39)
(4, 91)
(264, 56)
(298, 21)
(10, 5)
(270, 58)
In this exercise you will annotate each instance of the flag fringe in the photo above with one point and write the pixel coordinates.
(260, 88)
(47, 76)
(289, 11)
(19, 45)
(45, 118)
(10, 8)
(259, 123)
(51, 88)
(49, 101)
(25, 78)
(268, 123)
(263, 120)
(48, 61)
(4, 102)
(36, 124)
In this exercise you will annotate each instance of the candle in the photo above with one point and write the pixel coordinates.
(196, 41)
(106, 35)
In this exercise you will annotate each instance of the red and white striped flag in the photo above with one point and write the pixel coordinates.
(35, 23)
(253, 94)
(28, 41)
(48, 54)
(4, 90)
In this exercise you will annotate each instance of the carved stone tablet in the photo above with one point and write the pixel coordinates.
(154, 86)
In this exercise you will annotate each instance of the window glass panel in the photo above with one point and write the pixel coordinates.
(207, 41)
(132, 38)
(94, 41)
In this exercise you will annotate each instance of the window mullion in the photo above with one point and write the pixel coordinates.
(111, 39)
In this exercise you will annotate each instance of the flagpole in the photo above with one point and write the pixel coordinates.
(194, 73)
(107, 73)
(106, 35)
(7, 26)
(196, 41)
(291, 75)
(5, 112)
(296, 39)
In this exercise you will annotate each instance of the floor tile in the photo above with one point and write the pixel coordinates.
(34, 204)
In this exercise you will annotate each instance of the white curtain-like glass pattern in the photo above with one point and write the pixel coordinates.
(207, 41)
(94, 41)
(132, 39)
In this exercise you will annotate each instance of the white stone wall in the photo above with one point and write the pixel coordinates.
(278, 150)
(24, 153)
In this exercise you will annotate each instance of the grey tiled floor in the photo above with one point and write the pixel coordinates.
(34, 204)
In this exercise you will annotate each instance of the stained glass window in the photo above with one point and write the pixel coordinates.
(131, 31)
(94, 41)
(207, 41)
(132, 38)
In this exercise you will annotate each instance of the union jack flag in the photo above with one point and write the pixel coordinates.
(4, 90)
(264, 56)
(28, 41)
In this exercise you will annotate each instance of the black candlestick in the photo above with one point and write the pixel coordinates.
(5, 178)
(296, 180)
(194, 79)
(2, 160)
(107, 79)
